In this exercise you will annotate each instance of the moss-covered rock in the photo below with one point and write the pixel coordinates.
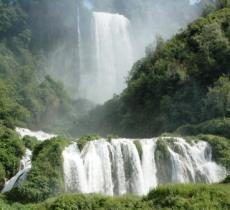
(81, 142)
(139, 147)
(162, 158)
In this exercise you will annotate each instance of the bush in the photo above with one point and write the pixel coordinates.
(11, 152)
(220, 149)
(30, 142)
(46, 178)
(190, 197)
(97, 202)
(227, 180)
(219, 127)
(85, 139)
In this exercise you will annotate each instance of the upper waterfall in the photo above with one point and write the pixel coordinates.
(122, 166)
(113, 58)
(39, 135)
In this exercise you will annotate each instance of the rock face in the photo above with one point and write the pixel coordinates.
(116, 167)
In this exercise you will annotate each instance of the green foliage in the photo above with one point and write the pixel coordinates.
(96, 202)
(224, 3)
(5, 205)
(220, 127)
(168, 88)
(218, 97)
(220, 149)
(26, 97)
(178, 197)
(227, 180)
(45, 179)
(162, 158)
(11, 151)
(81, 142)
(11, 16)
(30, 142)
(191, 197)
(2, 175)
(10, 110)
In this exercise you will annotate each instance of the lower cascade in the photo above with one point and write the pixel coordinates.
(121, 166)
(25, 166)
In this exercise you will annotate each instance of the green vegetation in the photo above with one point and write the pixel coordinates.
(163, 158)
(182, 81)
(11, 151)
(191, 197)
(45, 179)
(139, 147)
(28, 97)
(219, 127)
(178, 197)
(94, 202)
(30, 142)
(183, 84)
(220, 147)
(227, 180)
(81, 142)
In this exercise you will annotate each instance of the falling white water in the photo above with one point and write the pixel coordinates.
(73, 166)
(40, 135)
(134, 182)
(113, 57)
(115, 167)
(148, 164)
(25, 166)
(193, 163)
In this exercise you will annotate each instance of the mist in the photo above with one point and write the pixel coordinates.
(101, 39)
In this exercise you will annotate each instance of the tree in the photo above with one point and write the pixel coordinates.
(218, 98)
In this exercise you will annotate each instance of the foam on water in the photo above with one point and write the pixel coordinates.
(117, 167)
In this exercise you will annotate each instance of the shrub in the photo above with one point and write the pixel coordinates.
(46, 178)
(11, 151)
(85, 139)
(219, 127)
(30, 142)
(190, 197)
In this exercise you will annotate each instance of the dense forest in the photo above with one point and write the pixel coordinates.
(181, 86)
(28, 96)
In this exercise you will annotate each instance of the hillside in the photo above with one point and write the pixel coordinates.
(184, 80)
(28, 96)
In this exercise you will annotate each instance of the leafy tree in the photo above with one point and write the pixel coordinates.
(218, 98)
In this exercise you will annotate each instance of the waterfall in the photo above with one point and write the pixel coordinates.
(25, 166)
(193, 163)
(39, 135)
(148, 164)
(122, 166)
(73, 166)
(113, 56)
